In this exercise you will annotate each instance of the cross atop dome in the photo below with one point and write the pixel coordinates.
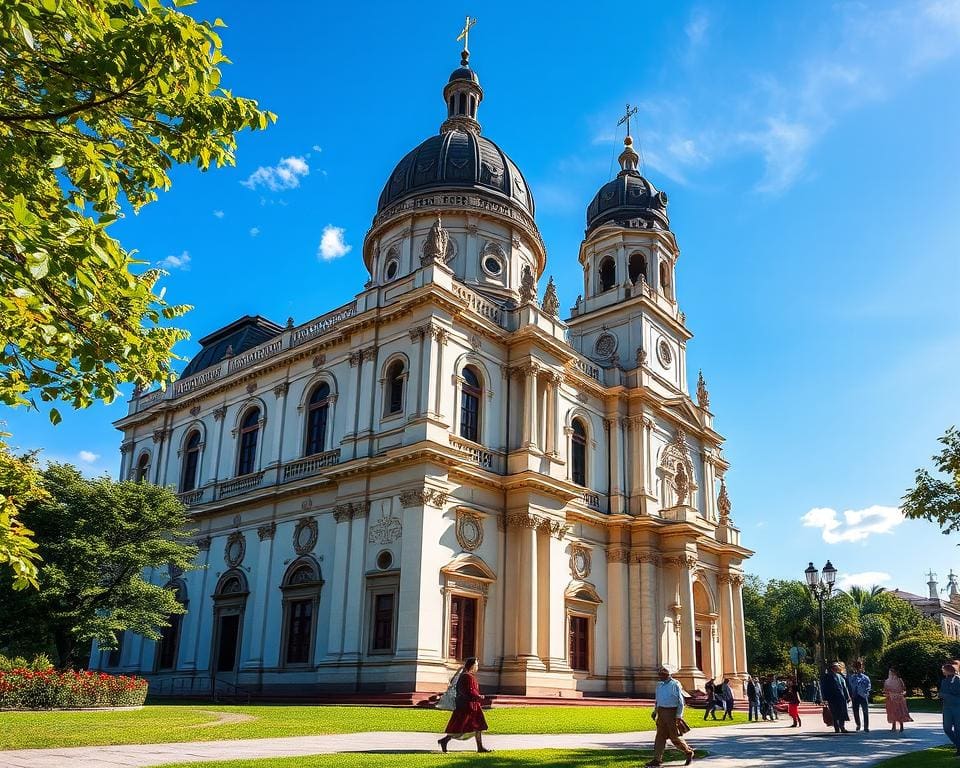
(462, 92)
(465, 36)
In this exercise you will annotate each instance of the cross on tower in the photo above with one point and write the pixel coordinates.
(626, 117)
(465, 33)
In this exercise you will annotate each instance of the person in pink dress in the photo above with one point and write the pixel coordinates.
(895, 693)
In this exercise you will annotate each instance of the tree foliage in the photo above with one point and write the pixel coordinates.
(20, 484)
(934, 498)
(918, 657)
(97, 538)
(98, 100)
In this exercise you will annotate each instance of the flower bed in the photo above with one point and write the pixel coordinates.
(23, 688)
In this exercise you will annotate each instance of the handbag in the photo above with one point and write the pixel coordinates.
(827, 715)
(448, 699)
(682, 726)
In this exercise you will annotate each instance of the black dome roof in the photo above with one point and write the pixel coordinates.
(457, 159)
(628, 198)
(464, 73)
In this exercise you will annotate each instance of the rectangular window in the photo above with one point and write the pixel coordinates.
(463, 627)
(383, 622)
(169, 640)
(299, 615)
(580, 643)
(469, 415)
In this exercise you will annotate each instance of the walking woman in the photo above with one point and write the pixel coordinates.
(467, 719)
(895, 700)
(793, 703)
(712, 700)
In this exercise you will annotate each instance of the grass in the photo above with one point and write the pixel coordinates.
(557, 758)
(920, 704)
(166, 724)
(938, 757)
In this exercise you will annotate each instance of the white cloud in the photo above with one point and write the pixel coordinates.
(284, 175)
(696, 29)
(218, 214)
(316, 148)
(857, 524)
(88, 457)
(865, 579)
(332, 245)
(254, 231)
(176, 262)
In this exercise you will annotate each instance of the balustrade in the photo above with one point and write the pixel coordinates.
(310, 465)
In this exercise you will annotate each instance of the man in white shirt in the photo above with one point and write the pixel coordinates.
(669, 709)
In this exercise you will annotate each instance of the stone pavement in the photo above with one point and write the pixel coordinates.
(740, 746)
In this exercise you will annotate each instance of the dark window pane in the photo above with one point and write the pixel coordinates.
(249, 432)
(463, 628)
(299, 615)
(579, 643)
(169, 642)
(395, 388)
(608, 274)
(470, 395)
(383, 622)
(579, 449)
(191, 463)
(317, 427)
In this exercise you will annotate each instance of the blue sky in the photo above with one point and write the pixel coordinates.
(811, 156)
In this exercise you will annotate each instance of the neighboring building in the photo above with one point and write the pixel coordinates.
(945, 612)
(444, 468)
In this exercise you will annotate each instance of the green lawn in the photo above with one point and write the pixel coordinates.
(920, 704)
(160, 724)
(938, 757)
(557, 758)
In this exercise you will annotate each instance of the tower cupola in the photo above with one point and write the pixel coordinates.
(463, 93)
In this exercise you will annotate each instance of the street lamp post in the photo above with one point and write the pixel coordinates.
(821, 585)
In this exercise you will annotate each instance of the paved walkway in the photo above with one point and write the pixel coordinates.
(741, 746)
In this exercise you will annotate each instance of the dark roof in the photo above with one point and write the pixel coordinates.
(243, 334)
(457, 159)
(628, 198)
(463, 73)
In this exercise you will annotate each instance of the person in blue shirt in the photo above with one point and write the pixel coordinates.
(859, 685)
(950, 693)
(669, 709)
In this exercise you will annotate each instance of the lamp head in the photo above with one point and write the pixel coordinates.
(829, 574)
(812, 574)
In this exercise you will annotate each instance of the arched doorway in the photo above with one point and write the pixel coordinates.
(229, 602)
(705, 632)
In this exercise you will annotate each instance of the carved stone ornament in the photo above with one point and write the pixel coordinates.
(647, 557)
(438, 247)
(551, 301)
(618, 555)
(469, 531)
(703, 396)
(281, 389)
(195, 411)
(319, 360)
(306, 505)
(305, 536)
(351, 511)
(159, 435)
(219, 413)
(475, 343)
(682, 483)
(267, 531)
(664, 353)
(580, 561)
(386, 530)
(528, 286)
(235, 550)
(555, 528)
(251, 387)
(418, 497)
(723, 503)
(354, 359)
(641, 357)
(605, 346)
(203, 543)
(681, 561)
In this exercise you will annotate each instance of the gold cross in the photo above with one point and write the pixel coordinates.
(626, 117)
(465, 33)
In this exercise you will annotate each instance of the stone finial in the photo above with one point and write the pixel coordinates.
(723, 503)
(641, 357)
(528, 286)
(435, 248)
(229, 352)
(551, 302)
(703, 396)
(289, 322)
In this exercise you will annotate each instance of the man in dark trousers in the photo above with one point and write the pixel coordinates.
(770, 696)
(836, 695)
(753, 698)
(859, 685)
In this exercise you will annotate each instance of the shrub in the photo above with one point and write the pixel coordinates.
(918, 657)
(25, 688)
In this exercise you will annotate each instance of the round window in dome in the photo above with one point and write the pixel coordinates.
(384, 560)
(492, 266)
(393, 267)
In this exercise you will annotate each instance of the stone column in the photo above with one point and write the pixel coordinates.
(338, 571)
(417, 638)
(688, 638)
(366, 398)
(530, 424)
(527, 618)
(740, 640)
(280, 392)
(652, 620)
(353, 613)
(438, 385)
(262, 592)
(727, 624)
(709, 488)
(555, 430)
(618, 625)
(553, 570)
(415, 380)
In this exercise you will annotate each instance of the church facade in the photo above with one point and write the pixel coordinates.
(443, 467)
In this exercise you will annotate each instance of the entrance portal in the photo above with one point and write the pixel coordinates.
(229, 639)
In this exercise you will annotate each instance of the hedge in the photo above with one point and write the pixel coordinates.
(24, 688)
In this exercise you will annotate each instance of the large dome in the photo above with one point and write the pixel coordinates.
(629, 199)
(457, 159)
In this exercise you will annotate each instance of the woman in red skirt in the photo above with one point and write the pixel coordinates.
(793, 704)
(467, 719)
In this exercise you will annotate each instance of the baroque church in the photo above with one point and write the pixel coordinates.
(446, 467)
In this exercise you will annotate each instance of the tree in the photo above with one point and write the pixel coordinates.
(98, 100)
(937, 499)
(20, 484)
(918, 657)
(97, 539)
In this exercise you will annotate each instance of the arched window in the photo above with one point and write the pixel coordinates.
(470, 396)
(143, 468)
(169, 643)
(301, 595)
(638, 267)
(665, 279)
(318, 410)
(229, 603)
(249, 432)
(608, 274)
(578, 448)
(393, 390)
(191, 462)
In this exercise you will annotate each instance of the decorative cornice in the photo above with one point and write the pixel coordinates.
(555, 528)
